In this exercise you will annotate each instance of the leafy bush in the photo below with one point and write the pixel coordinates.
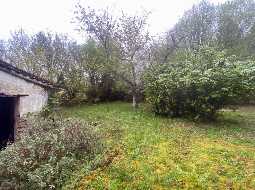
(99, 94)
(73, 92)
(84, 92)
(48, 152)
(199, 86)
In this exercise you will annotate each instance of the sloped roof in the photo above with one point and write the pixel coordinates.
(11, 95)
(10, 69)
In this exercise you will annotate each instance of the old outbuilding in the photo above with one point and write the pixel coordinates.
(20, 93)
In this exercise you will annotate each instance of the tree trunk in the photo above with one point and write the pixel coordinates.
(135, 105)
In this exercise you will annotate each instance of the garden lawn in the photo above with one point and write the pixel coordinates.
(143, 151)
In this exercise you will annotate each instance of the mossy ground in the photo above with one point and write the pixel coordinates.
(143, 151)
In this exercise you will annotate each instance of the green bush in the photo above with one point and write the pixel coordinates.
(199, 86)
(82, 92)
(47, 153)
(73, 92)
(95, 95)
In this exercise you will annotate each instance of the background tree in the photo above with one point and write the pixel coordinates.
(131, 39)
(235, 22)
(197, 26)
(121, 38)
(2, 50)
(44, 54)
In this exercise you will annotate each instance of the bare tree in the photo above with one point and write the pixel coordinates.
(123, 40)
(161, 49)
(3, 50)
(131, 38)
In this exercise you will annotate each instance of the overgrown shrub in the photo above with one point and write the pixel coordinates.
(84, 92)
(47, 153)
(99, 94)
(199, 86)
(73, 91)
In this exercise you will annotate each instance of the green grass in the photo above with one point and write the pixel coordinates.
(149, 152)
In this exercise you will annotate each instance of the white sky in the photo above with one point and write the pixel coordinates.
(56, 15)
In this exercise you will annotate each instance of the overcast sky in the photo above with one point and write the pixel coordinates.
(56, 15)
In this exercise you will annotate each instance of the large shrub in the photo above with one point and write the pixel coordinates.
(79, 91)
(199, 86)
(103, 93)
(47, 153)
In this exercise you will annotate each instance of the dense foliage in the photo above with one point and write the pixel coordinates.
(110, 63)
(48, 152)
(199, 86)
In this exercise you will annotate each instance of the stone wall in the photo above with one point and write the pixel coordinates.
(36, 96)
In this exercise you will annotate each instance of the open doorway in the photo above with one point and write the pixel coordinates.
(7, 120)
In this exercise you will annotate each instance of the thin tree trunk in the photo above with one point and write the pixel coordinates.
(134, 86)
(135, 104)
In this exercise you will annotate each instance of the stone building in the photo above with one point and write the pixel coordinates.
(20, 93)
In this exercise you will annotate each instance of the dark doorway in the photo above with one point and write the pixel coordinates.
(7, 120)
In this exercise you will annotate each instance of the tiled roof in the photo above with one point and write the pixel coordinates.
(8, 68)
(11, 95)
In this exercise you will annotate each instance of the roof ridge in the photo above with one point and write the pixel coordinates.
(11, 69)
